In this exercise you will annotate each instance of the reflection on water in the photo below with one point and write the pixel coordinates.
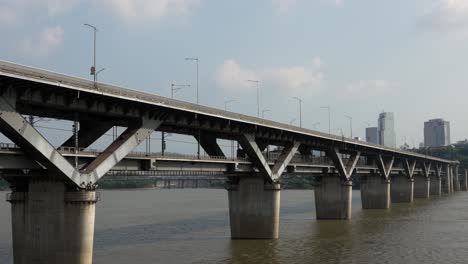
(192, 226)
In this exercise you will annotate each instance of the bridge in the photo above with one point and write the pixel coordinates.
(54, 187)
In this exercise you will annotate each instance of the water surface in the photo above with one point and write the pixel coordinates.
(192, 226)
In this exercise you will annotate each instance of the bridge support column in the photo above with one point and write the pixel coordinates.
(402, 189)
(464, 181)
(375, 192)
(254, 208)
(446, 182)
(456, 179)
(333, 198)
(421, 186)
(51, 225)
(435, 187)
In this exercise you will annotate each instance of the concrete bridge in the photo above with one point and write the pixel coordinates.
(53, 187)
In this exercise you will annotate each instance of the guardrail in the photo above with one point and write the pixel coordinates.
(269, 156)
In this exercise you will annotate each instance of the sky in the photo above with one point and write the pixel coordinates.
(357, 57)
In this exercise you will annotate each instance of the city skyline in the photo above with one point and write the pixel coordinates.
(146, 52)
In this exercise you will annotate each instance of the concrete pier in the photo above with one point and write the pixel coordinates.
(254, 209)
(455, 179)
(333, 198)
(435, 187)
(51, 225)
(375, 192)
(446, 182)
(421, 186)
(464, 181)
(402, 189)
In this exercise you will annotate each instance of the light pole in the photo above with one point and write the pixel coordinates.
(98, 72)
(258, 95)
(300, 109)
(93, 68)
(196, 63)
(328, 108)
(176, 87)
(350, 125)
(265, 111)
(198, 102)
(226, 102)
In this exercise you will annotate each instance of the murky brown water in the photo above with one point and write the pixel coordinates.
(192, 226)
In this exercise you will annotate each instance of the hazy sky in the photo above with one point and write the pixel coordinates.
(359, 57)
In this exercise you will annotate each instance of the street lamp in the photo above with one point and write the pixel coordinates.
(350, 125)
(265, 111)
(258, 95)
(93, 68)
(300, 110)
(98, 72)
(328, 108)
(176, 87)
(198, 102)
(226, 102)
(196, 60)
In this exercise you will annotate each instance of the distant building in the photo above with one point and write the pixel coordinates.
(436, 133)
(372, 135)
(386, 130)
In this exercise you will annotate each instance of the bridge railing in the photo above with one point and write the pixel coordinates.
(269, 156)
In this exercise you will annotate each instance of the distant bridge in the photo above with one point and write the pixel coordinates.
(55, 186)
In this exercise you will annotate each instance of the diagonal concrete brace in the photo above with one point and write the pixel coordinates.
(345, 171)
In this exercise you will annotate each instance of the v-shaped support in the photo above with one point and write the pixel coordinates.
(438, 170)
(120, 148)
(426, 168)
(16, 128)
(409, 167)
(283, 160)
(385, 166)
(345, 170)
(248, 143)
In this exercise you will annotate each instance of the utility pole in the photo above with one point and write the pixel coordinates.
(258, 95)
(299, 100)
(350, 125)
(329, 122)
(198, 103)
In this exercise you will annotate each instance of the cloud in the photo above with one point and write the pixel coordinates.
(284, 6)
(7, 16)
(46, 42)
(142, 10)
(287, 6)
(291, 80)
(371, 87)
(13, 12)
(230, 75)
(444, 15)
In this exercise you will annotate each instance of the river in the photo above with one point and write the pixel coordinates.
(192, 226)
